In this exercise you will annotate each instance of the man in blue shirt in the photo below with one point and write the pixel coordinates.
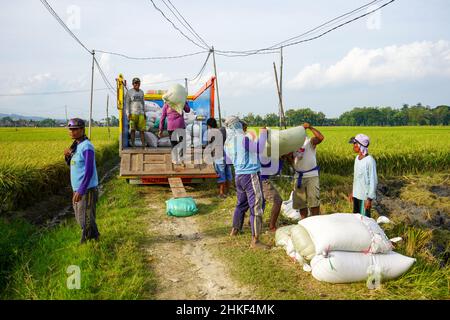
(84, 180)
(244, 155)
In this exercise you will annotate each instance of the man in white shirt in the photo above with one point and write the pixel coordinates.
(135, 109)
(306, 192)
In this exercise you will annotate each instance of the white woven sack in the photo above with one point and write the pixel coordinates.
(151, 139)
(288, 211)
(346, 232)
(282, 235)
(303, 244)
(151, 106)
(176, 97)
(344, 267)
(164, 142)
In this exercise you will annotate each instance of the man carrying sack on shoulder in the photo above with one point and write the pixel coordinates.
(306, 193)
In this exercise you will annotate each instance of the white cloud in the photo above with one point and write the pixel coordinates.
(235, 83)
(412, 61)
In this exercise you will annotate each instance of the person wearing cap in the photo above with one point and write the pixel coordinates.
(135, 107)
(365, 178)
(244, 155)
(306, 193)
(84, 180)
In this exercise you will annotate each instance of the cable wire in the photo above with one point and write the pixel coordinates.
(152, 58)
(285, 44)
(189, 26)
(48, 93)
(55, 15)
(173, 24)
(104, 77)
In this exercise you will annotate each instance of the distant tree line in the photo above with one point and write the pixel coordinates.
(9, 122)
(365, 116)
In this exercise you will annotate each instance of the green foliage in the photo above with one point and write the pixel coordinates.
(34, 265)
(365, 116)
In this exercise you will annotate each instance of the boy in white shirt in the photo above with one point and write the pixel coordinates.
(365, 178)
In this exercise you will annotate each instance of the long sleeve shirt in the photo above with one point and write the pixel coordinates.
(365, 178)
(83, 171)
(134, 101)
(245, 153)
(174, 119)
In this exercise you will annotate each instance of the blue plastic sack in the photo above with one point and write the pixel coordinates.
(181, 207)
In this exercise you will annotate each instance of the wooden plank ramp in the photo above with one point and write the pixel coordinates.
(177, 187)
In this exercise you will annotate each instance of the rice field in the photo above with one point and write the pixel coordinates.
(32, 162)
(32, 165)
(397, 150)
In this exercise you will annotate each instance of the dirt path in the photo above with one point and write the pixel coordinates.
(184, 266)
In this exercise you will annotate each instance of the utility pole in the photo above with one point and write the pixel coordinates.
(280, 102)
(92, 94)
(67, 119)
(107, 116)
(186, 85)
(217, 86)
(281, 87)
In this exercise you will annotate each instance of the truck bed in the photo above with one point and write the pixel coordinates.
(139, 163)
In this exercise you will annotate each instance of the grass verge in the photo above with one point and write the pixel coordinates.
(35, 262)
(275, 276)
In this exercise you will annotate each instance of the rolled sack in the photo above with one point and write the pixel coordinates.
(288, 140)
(176, 97)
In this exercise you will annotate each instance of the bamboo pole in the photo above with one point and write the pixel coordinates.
(217, 86)
(92, 95)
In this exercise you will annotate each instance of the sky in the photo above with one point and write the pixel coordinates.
(399, 55)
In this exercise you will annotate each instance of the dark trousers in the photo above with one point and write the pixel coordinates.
(85, 213)
(358, 207)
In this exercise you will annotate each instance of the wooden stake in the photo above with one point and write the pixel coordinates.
(280, 103)
(217, 86)
(92, 94)
(107, 116)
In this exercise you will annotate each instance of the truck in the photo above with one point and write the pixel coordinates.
(154, 165)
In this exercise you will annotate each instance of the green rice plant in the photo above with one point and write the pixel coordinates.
(416, 240)
(32, 164)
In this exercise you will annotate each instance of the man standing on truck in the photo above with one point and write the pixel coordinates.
(83, 176)
(134, 101)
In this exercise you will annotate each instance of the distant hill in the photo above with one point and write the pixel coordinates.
(20, 117)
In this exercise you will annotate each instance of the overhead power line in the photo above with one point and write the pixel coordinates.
(47, 93)
(288, 42)
(152, 58)
(197, 76)
(55, 15)
(175, 27)
(189, 27)
(104, 77)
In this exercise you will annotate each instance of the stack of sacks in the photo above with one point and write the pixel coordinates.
(345, 247)
(189, 117)
(288, 211)
(194, 134)
(153, 112)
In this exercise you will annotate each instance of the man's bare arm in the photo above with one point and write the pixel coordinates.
(318, 136)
